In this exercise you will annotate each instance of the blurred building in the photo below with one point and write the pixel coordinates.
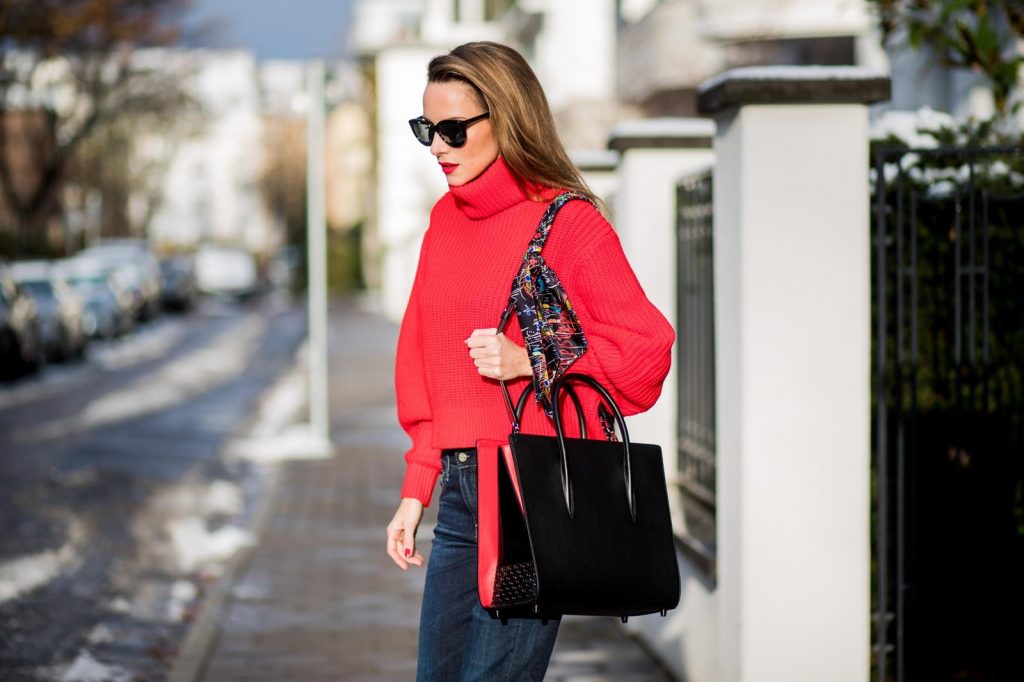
(211, 191)
(241, 179)
(667, 47)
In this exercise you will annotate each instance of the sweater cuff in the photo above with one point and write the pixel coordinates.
(419, 482)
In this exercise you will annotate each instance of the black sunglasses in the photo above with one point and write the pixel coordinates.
(452, 131)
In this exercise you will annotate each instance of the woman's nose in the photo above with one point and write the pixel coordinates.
(437, 145)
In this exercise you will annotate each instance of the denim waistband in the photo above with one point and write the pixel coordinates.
(455, 452)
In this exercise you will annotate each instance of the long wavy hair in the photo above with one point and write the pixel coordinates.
(505, 85)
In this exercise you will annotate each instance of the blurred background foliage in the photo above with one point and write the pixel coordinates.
(76, 56)
(979, 35)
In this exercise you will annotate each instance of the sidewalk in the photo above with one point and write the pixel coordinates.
(318, 599)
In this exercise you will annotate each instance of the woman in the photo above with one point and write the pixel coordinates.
(486, 120)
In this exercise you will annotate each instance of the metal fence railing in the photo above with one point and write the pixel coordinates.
(696, 353)
(948, 413)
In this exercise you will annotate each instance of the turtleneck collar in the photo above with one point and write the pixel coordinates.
(494, 190)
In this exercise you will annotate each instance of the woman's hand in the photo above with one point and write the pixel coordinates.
(496, 357)
(402, 534)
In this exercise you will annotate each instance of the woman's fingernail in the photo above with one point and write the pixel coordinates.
(408, 552)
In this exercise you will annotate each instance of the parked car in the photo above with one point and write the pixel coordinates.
(139, 267)
(110, 307)
(61, 309)
(226, 271)
(21, 350)
(178, 282)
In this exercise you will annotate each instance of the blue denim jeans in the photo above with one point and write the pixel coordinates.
(459, 640)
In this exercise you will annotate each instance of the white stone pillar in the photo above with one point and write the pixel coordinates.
(408, 182)
(655, 154)
(792, 331)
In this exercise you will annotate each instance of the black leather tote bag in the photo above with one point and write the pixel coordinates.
(583, 525)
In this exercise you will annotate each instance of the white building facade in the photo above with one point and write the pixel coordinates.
(211, 191)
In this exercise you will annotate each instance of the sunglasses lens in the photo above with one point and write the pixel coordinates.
(422, 130)
(452, 132)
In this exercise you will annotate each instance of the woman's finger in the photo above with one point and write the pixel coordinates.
(407, 546)
(401, 534)
(393, 550)
(481, 337)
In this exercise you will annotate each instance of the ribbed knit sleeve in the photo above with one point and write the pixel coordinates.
(423, 462)
(629, 340)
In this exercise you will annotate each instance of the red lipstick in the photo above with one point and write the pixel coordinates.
(449, 168)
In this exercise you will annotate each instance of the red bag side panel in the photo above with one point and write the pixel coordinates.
(510, 466)
(488, 519)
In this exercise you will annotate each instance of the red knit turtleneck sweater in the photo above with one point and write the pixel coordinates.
(472, 249)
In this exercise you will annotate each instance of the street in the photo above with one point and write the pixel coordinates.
(110, 478)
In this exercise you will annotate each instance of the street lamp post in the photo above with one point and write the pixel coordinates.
(317, 252)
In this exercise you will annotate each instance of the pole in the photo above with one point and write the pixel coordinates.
(317, 252)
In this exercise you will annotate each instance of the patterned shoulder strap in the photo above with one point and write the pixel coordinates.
(544, 227)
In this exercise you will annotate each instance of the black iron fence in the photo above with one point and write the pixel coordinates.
(696, 361)
(948, 414)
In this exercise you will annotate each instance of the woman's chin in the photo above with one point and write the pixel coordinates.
(456, 181)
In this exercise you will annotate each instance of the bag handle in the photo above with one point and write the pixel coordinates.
(514, 414)
(516, 410)
(563, 382)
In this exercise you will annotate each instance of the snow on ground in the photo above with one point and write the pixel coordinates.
(223, 498)
(26, 573)
(276, 434)
(296, 441)
(183, 594)
(191, 374)
(85, 668)
(225, 357)
(120, 605)
(148, 343)
(285, 400)
(101, 634)
(195, 546)
(195, 498)
(175, 527)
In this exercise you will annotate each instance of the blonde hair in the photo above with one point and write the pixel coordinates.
(505, 85)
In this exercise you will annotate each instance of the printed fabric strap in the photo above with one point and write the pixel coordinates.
(551, 331)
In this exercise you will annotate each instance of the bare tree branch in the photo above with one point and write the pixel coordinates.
(76, 59)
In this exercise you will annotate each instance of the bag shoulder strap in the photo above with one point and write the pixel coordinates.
(533, 252)
(540, 237)
(548, 219)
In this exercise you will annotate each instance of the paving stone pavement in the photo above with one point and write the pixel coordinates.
(318, 599)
